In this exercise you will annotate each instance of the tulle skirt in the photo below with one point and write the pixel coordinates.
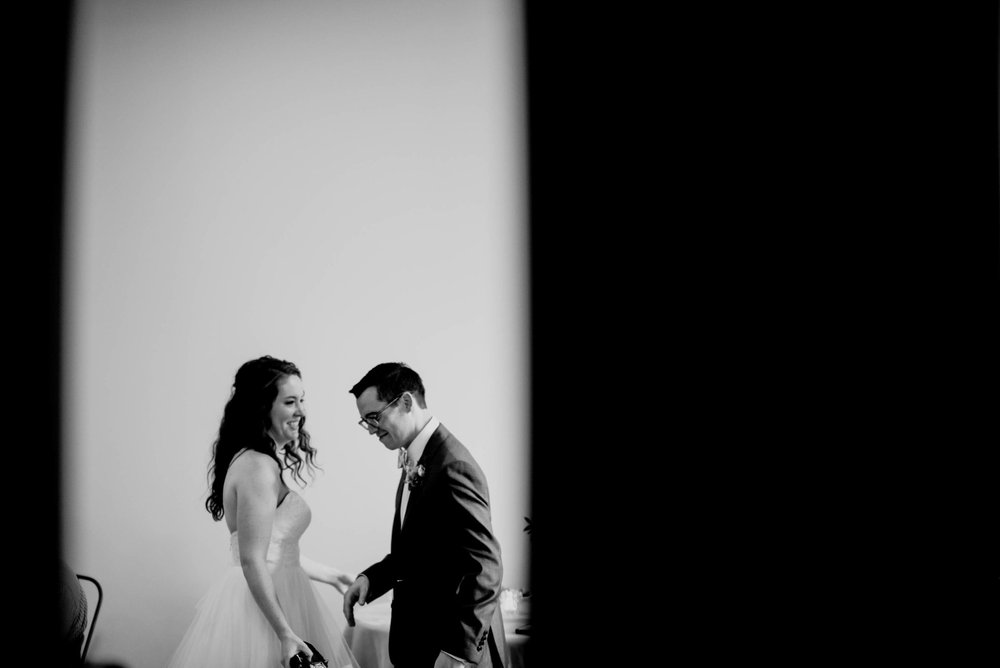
(230, 631)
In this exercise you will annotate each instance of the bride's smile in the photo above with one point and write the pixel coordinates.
(288, 411)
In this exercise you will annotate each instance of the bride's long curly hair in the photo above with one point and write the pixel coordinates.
(246, 420)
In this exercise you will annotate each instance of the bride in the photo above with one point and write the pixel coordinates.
(264, 608)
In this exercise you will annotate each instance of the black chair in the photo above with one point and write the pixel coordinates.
(91, 619)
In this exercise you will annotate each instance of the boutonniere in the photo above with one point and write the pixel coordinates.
(414, 475)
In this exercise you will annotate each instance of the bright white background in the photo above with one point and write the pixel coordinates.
(334, 183)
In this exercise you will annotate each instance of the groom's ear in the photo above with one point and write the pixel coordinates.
(407, 401)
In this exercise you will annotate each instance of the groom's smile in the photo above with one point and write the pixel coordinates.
(386, 439)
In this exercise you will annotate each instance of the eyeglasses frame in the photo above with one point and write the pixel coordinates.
(371, 423)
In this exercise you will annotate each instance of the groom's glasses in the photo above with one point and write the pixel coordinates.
(370, 421)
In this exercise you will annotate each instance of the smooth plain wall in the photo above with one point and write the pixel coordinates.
(334, 183)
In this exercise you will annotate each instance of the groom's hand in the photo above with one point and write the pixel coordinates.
(356, 593)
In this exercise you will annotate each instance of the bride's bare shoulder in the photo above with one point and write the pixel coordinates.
(251, 464)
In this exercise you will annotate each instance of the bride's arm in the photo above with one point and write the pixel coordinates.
(257, 487)
(328, 574)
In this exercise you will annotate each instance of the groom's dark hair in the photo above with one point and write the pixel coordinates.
(390, 379)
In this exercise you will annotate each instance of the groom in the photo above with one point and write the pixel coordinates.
(444, 561)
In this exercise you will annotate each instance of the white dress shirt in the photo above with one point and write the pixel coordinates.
(413, 452)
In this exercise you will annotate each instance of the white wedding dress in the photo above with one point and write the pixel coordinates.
(230, 631)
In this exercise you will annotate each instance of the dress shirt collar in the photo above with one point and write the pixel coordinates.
(419, 442)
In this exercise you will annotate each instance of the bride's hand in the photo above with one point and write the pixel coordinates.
(342, 581)
(291, 645)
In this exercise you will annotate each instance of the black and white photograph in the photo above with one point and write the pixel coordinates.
(452, 333)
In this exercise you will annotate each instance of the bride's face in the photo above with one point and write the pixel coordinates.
(287, 411)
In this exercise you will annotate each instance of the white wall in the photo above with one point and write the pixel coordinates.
(334, 183)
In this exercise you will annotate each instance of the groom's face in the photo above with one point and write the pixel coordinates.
(394, 422)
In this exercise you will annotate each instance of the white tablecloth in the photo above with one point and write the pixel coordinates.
(369, 638)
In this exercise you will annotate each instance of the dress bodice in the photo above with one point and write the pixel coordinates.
(291, 518)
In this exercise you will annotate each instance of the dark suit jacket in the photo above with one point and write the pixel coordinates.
(444, 565)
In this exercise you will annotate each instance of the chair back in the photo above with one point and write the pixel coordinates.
(93, 609)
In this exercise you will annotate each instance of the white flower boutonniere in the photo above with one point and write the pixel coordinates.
(414, 476)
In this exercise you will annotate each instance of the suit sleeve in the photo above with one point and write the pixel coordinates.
(477, 560)
(381, 577)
